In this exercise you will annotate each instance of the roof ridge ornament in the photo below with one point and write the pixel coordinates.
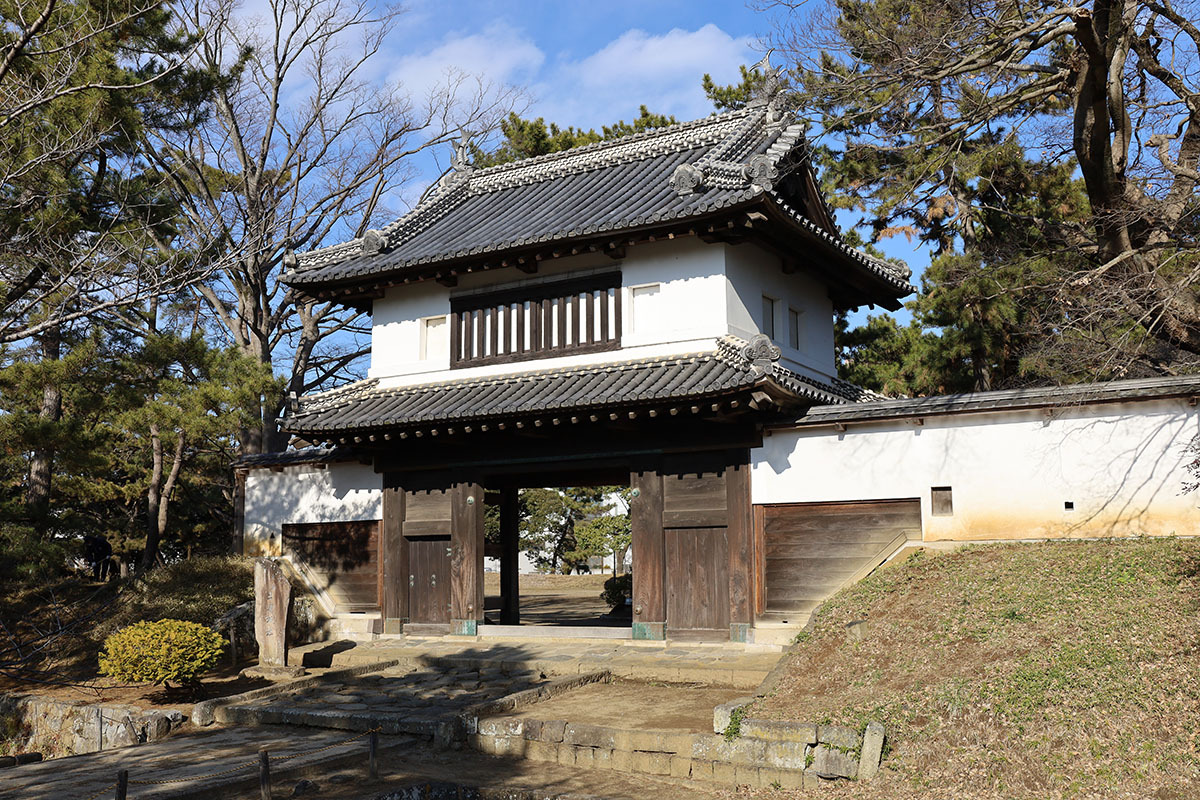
(772, 86)
(461, 169)
(374, 241)
(761, 352)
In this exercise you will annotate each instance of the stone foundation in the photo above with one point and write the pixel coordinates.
(60, 728)
(765, 754)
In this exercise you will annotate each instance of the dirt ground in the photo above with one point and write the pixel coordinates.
(556, 600)
(638, 706)
(403, 768)
(222, 682)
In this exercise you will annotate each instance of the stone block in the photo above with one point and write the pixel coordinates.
(590, 736)
(738, 751)
(747, 775)
(838, 736)
(681, 767)
(566, 755)
(652, 763)
(585, 757)
(770, 777)
(872, 751)
(602, 758)
(541, 751)
(532, 729)
(724, 773)
(723, 712)
(791, 779)
(553, 730)
(831, 763)
(773, 731)
(702, 770)
(622, 760)
(157, 726)
(786, 755)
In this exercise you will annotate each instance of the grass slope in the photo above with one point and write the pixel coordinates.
(1064, 669)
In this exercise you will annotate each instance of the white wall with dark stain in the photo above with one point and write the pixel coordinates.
(1012, 474)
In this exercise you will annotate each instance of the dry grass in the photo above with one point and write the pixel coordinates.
(1066, 669)
(78, 614)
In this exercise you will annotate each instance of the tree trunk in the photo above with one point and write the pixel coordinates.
(41, 463)
(153, 500)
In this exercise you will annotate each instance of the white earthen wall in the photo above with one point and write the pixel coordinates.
(704, 292)
(752, 273)
(1122, 465)
(340, 492)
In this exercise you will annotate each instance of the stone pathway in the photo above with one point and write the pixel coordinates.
(739, 666)
(395, 700)
(190, 762)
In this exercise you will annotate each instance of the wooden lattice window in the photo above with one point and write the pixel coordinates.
(581, 315)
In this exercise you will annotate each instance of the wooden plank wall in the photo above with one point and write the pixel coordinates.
(810, 550)
(344, 556)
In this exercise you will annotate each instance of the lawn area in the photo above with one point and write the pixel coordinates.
(1064, 669)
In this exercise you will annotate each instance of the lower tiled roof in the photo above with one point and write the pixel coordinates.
(1079, 394)
(365, 406)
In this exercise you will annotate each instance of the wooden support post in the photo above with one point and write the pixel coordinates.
(264, 774)
(373, 756)
(649, 556)
(510, 564)
(466, 559)
(393, 558)
(741, 552)
(122, 784)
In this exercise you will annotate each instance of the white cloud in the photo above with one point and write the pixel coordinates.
(661, 71)
(499, 52)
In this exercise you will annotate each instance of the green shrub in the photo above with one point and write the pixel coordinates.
(160, 652)
(616, 589)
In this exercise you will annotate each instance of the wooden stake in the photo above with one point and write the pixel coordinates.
(373, 756)
(264, 774)
(122, 784)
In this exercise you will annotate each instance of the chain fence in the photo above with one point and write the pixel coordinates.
(238, 768)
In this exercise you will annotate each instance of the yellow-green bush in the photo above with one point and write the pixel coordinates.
(162, 651)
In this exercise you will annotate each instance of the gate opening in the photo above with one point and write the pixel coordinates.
(558, 556)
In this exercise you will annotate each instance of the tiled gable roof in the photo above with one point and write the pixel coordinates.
(683, 171)
(365, 406)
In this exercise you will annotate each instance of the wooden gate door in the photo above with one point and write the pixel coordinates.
(707, 547)
(698, 583)
(429, 580)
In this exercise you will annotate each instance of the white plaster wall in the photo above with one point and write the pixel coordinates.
(697, 303)
(753, 272)
(1011, 473)
(340, 492)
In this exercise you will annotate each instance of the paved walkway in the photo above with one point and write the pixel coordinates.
(739, 666)
(189, 762)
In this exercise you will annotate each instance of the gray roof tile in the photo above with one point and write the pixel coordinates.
(365, 406)
(1120, 391)
(610, 186)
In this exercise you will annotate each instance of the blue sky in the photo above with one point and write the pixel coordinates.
(588, 63)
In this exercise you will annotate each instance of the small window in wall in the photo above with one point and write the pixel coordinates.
(435, 338)
(793, 329)
(647, 308)
(943, 501)
(768, 316)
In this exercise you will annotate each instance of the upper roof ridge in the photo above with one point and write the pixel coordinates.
(457, 183)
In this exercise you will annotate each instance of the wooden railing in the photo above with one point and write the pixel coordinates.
(552, 319)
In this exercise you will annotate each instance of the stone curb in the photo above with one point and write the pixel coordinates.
(528, 697)
(204, 712)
